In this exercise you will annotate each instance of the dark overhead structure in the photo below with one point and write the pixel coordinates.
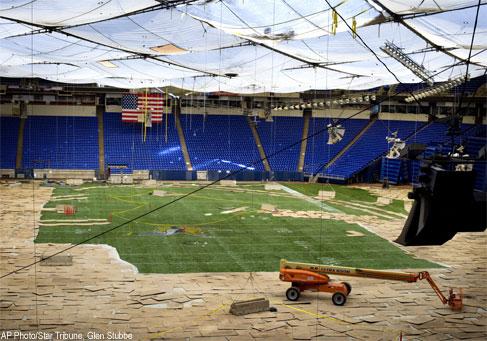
(445, 203)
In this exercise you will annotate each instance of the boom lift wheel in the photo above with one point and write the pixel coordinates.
(292, 293)
(338, 298)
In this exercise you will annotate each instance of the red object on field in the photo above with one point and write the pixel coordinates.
(69, 210)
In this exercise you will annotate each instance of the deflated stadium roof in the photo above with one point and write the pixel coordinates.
(240, 46)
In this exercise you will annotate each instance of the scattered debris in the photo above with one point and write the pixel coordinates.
(273, 187)
(384, 201)
(268, 208)
(74, 222)
(159, 193)
(325, 195)
(69, 198)
(149, 183)
(74, 182)
(169, 232)
(231, 183)
(352, 233)
(59, 260)
(238, 209)
(172, 230)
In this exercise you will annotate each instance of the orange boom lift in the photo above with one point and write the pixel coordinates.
(314, 277)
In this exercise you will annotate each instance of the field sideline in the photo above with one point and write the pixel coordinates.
(221, 229)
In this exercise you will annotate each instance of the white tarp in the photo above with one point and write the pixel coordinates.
(238, 45)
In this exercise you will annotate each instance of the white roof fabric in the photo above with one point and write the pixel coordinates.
(238, 45)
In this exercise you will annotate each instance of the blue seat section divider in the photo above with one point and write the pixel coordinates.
(9, 132)
(278, 134)
(318, 152)
(124, 145)
(220, 142)
(394, 170)
(62, 142)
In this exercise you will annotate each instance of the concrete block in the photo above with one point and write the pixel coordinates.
(324, 195)
(127, 179)
(268, 207)
(7, 173)
(141, 174)
(273, 187)
(115, 179)
(248, 307)
(149, 183)
(202, 175)
(59, 260)
(74, 182)
(159, 193)
(231, 183)
(384, 201)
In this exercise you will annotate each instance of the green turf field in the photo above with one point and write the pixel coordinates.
(210, 240)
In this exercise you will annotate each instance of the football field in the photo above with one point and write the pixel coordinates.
(228, 229)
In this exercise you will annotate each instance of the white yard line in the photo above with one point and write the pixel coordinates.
(310, 200)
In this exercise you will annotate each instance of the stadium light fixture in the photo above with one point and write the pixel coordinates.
(329, 103)
(437, 89)
(395, 52)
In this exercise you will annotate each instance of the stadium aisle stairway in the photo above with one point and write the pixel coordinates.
(304, 140)
(258, 143)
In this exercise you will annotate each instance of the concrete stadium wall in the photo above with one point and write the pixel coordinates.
(64, 174)
(90, 111)
(7, 172)
(52, 110)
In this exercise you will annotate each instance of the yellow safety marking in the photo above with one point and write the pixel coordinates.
(312, 314)
(125, 200)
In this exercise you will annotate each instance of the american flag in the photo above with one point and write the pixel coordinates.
(134, 107)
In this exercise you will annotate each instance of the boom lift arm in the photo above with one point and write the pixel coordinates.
(306, 276)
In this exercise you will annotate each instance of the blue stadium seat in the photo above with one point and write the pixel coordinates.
(124, 145)
(469, 87)
(62, 142)
(279, 134)
(220, 142)
(9, 132)
(318, 152)
(370, 146)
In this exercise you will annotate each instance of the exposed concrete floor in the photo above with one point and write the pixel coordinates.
(101, 293)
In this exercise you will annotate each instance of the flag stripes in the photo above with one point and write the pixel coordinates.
(134, 107)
